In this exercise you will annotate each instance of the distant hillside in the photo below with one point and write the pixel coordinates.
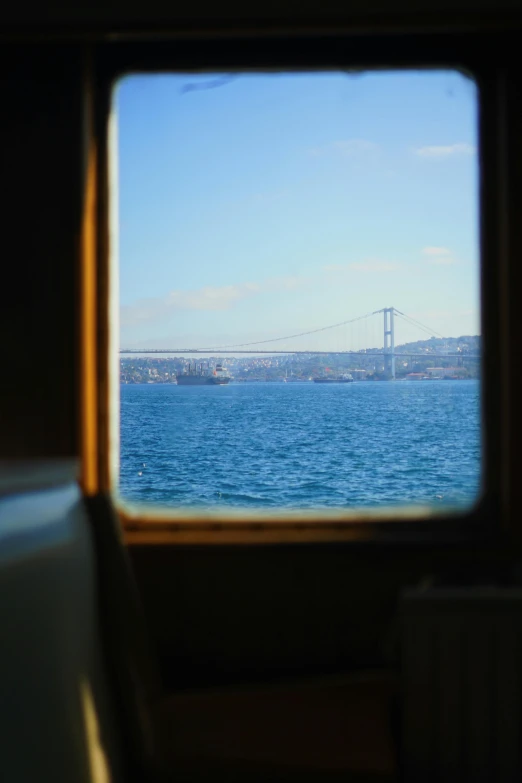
(371, 362)
(467, 344)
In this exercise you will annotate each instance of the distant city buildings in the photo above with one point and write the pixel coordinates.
(435, 358)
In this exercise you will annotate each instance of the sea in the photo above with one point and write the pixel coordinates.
(301, 445)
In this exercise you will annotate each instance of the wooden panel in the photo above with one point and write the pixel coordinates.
(461, 685)
(323, 729)
(41, 164)
(219, 615)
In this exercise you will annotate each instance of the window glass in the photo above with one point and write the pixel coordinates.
(299, 290)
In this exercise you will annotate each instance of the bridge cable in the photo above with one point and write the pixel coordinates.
(288, 337)
(412, 323)
(420, 325)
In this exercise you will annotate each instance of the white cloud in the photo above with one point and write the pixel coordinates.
(206, 298)
(436, 251)
(445, 151)
(209, 297)
(438, 255)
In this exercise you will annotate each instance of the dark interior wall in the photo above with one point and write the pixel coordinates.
(216, 614)
(246, 614)
(41, 163)
(41, 160)
(121, 15)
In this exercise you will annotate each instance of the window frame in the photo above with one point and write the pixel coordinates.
(491, 521)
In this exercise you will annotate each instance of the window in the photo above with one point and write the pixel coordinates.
(315, 237)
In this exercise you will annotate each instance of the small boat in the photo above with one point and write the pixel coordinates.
(197, 376)
(346, 378)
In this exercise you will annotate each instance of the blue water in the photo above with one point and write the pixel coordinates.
(301, 445)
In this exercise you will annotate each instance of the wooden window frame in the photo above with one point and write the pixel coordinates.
(491, 522)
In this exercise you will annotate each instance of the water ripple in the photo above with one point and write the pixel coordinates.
(301, 445)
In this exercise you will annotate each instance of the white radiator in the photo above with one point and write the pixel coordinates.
(462, 685)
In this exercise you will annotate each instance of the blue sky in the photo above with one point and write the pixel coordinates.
(265, 205)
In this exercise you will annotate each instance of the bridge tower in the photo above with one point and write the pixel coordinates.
(389, 341)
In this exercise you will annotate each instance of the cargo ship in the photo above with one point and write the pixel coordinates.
(199, 376)
(346, 378)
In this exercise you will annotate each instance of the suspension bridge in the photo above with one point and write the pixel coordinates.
(388, 351)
